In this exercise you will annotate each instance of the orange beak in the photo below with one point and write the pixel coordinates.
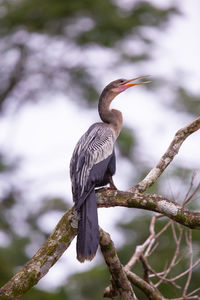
(132, 82)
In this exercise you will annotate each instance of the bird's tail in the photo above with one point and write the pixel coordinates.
(88, 229)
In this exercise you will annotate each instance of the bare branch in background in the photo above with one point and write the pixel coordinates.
(16, 75)
(191, 191)
(189, 243)
(168, 156)
(147, 245)
(123, 276)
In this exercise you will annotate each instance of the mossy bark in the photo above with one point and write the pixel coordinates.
(42, 261)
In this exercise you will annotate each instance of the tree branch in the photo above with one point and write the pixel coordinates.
(168, 156)
(140, 248)
(121, 275)
(120, 282)
(147, 288)
(65, 230)
(151, 202)
(43, 260)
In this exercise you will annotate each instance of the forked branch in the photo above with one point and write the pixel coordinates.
(65, 231)
(167, 157)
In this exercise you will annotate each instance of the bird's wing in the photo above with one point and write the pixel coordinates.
(93, 147)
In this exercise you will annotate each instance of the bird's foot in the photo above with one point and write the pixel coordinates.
(106, 188)
(111, 188)
(112, 185)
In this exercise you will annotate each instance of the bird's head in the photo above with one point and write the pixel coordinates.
(121, 85)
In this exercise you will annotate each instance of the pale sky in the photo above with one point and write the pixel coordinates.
(46, 147)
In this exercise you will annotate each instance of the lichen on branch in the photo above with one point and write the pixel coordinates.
(65, 231)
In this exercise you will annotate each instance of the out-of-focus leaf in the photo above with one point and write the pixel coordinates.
(126, 142)
(186, 101)
(27, 26)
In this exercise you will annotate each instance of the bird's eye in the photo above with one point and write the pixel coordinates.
(121, 81)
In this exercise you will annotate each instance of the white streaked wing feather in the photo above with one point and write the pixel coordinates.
(95, 145)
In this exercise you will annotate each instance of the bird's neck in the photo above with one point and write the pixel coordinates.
(112, 117)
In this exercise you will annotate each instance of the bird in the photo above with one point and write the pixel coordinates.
(93, 164)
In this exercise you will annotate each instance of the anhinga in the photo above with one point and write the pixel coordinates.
(93, 165)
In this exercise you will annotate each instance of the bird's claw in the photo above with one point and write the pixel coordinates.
(111, 188)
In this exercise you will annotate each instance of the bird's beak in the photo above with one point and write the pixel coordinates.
(132, 82)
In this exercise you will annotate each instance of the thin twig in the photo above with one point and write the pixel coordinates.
(197, 262)
(147, 244)
(189, 243)
(145, 267)
(187, 196)
(149, 290)
(193, 292)
(188, 199)
(168, 156)
(64, 232)
(174, 258)
(156, 274)
(151, 249)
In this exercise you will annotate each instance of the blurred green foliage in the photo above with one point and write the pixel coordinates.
(76, 25)
(134, 233)
(89, 285)
(187, 100)
(126, 142)
(38, 39)
(110, 21)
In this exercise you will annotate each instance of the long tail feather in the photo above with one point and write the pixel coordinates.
(88, 229)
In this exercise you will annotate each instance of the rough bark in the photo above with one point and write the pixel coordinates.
(167, 157)
(119, 277)
(151, 202)
(65, 230)
(42, 261)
